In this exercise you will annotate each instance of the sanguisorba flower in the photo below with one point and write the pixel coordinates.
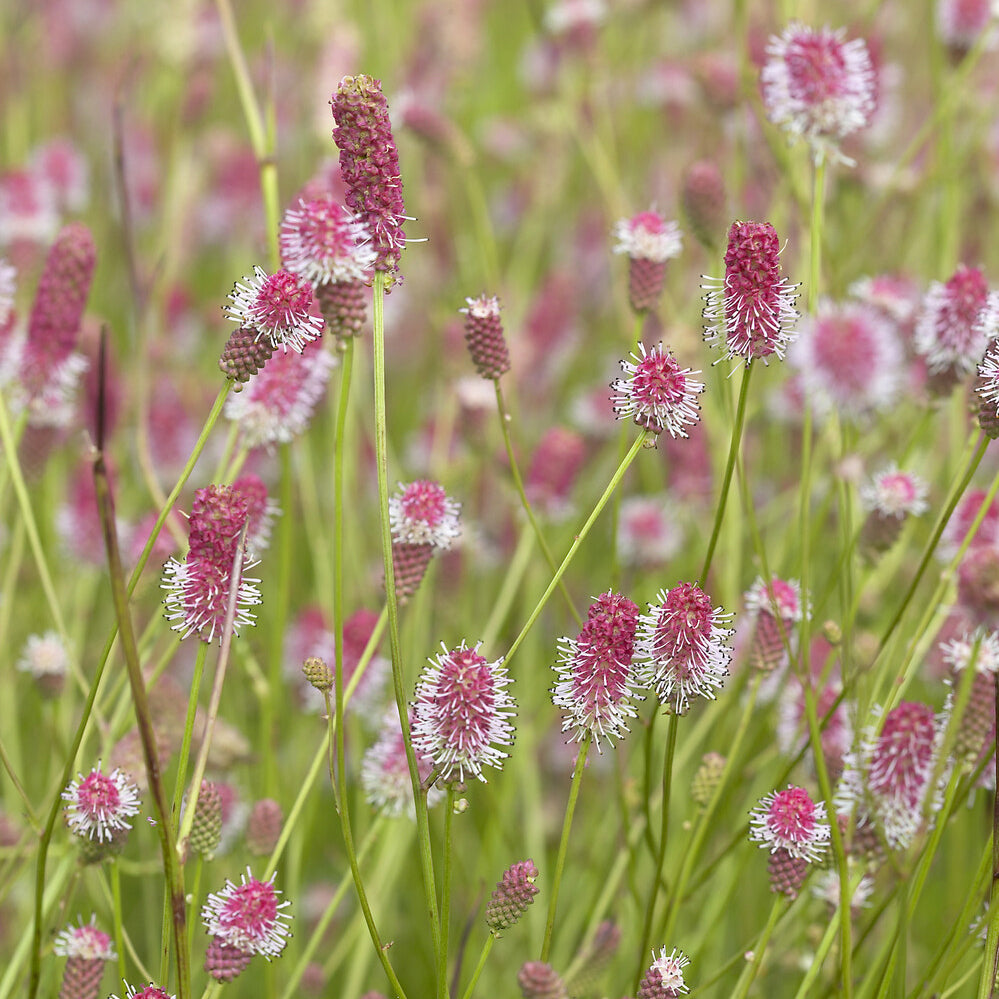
(513, 893)
(277, 306)
(596, 678)
(750, 313)
(953, 326)
(890, 496)
(484, 336)
(86, 949)
(818, 86)
(648, 241)
(198, 588)
(657, 393)
(248, 916)
(369, 165)
(664, 979)
(99, 805)
(462, 713)
(421, 512)
(681, 649)
(774, 610)
(790, 820)
(149, 992)
(987, 388)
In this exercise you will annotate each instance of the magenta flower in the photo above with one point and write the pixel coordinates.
(198, 588)
(369, 165)
(324, 243)
(818, 86)
(751, 313)
(596, 679)
(278, 306)
(960, 22)
(99, 805)
(648, 241)
(149, 992)
(248, 916)
(555, 466)
(385, 771)
(774, 610)
(657, 394)
(664, 979)
(261, 512)
(680, 646)
(484, 336)
(789, 820)
(462, 713)
(648, 531)
(704, 202)
(954, 326)
(987, 535)
(894, 493)
(422, 513)
(513, 893)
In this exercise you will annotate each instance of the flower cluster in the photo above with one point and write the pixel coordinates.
(648, 241)
(277, 307)
(774, 609)
(664, 978)
(99, 805)
(248, 916)
(657, 394)
(424, 520)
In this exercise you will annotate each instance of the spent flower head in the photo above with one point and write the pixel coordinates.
(750, 313)
(792, 821)
(462, 713)
(324, 243)
(422, 513)
(99, 805)
(278, 306)
(657, 393)
(248, 916)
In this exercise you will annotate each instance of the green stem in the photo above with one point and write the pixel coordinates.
(115, 875)
(990, 965)
(815, 232)
(192, 709)
(486, 948)
(446, 893)
(759, 949)
(563, 846)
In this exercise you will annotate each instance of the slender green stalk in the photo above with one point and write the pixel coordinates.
(524, 502)
(486, 948)
(449, 806)
(580, 537)
(733, 451)
(563, 846)
(990, 964)
(115, 876)
(751, 970)
(192, 710)
(19, 787)
(512, 582)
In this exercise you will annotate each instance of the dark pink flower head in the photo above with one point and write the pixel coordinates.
(248, 916)
(893, 493)
(278, 306)
(664, 979)
(99, 805)
(978, 585)
(462, 713)
(385, 771)
(596, 679)
(657, 393)
(782, 598)
(647, 236)
(261, 511)
(953, 326)
(554, 468)
(369, 165)
(680, 646)
(85, 941)
(149, 992)
(818, 86)
(277, 402)
(484, 336)
(322, 242)
(790, 820)
(751, 312)
(198, 588)
(423, 513)
(513, 893)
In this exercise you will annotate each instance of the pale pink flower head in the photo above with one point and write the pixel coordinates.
(664, 979)
(46, 659)
(987, 534)
(422, 513)
(953, 326)
(896, 295)
(657, 393)
(750, 313)
(198, 588)
(85, 941)
(961, 22)
(278, 306)
(648, 532)
(28, 209)
(248, 916)
(790, 820)
(894, 493)
(64, 168)
(385, 771)
(99, 805)
(277, 403)
(681, 648)
(261, 511)
(647, 236)
(462, 713)
(324, 243)
(595, 677)
(959, 653)
(781, 599)
(818, 86)
(849, 360)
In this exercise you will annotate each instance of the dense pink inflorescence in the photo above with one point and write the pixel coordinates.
(278, 306)
(323, 242)
(953, 326)
(657, 393)
(423, 513)
(790, 820)
(248, 916)
(513, 893)
(484, 336)
(664, 978)
(774, 610)
(99, 805)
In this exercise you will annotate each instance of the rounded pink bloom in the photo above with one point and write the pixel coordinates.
(751, 312)
(385, 771)
(248, 916)
(960, 22)
(657, 394)
(462, 713)
(893, 493)
(791, 821)
(664, 979)
(818, 86)
(554, 468)
(278, 306)
(647, 236)
(849, 360)
(85, 941)
(648, 532)
(680, 646)
(596, 679)
(422, 513)
(781, 599)
(100, 805)
(322, 242)
(954, 326)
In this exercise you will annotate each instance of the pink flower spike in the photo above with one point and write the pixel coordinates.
(647, 236)
(751, 312)
(680, 646)
(818, 86)
(954, 325)
(893, 493)
(422, 513)
(596, 679)
(85, 941)
(278, 306)
(149, 992)
(657, 394)
(99, 805)
(664, 979)
(324, 243)
(462, 713)
(790, 820)
(248, 916)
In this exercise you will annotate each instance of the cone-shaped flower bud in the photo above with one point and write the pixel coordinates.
(513, 893)
(664, 979)
(86, 949)
(369, 165)
(225, 962)
(206, 829)
(706, 779)
(245, 353)
(484, 336)
(409, 566)
(318, 673)
(657, 393)
(648, 241)
(344, 305)
(538, 980)
(750, 313)
(704, 204)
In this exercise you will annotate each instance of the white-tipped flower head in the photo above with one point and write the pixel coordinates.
(248, 916)
(99, 805)
(323, 242)
(791, 821)
(278, 306)
(422, 513)
(657, 393)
